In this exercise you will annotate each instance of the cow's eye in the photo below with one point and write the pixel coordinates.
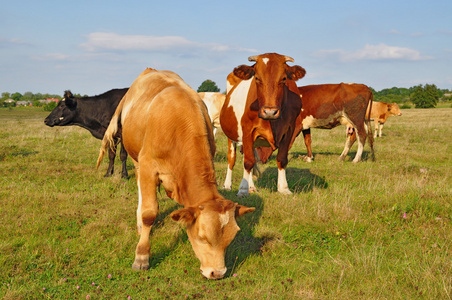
(258, 80)
(203, 240)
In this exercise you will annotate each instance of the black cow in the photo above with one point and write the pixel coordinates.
(93, 114)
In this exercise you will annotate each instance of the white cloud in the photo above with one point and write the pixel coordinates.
(375, 52)
(101, 41)
(51, 57)
(11, 42)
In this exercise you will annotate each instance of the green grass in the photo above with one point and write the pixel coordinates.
(373, 230)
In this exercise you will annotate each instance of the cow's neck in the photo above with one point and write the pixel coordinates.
(198, 185)
(85, 118)
(289, 113)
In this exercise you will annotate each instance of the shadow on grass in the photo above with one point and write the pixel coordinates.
(299, 180)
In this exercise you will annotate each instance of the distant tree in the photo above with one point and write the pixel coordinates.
(425, 96)
(16, 96)
(208, 86)
(50, 106)
(6, 95)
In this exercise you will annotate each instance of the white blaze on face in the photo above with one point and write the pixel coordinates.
(265, 60)
(224, 219)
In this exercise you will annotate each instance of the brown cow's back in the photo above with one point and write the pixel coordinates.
(326, 106)
(153, 117)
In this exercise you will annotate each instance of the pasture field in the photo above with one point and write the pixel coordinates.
(372, 230)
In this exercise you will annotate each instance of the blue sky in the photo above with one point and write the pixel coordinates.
(93, 46)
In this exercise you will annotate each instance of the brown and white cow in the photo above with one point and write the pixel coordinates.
(167, 133)
(261, 107)
(380, 112)
(214, 103)
(326, 106)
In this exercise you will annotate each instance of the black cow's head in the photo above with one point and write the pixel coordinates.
(64, 112)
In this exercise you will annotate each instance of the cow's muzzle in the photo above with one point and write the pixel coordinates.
(49, 122)
(269, 113)
(211, 273)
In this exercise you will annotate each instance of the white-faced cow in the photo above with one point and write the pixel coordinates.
(380, 112)
(167, 132)
(93, 114)
(214, 103)
(261, 107)
(326, 106)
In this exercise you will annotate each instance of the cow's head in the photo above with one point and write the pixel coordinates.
(211, 228)
(271, 75)
(394, 109)
(64, 112)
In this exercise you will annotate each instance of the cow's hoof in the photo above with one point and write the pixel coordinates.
(252, 190)
(285, 192)
(227, 188)
(308, 159)
(141, 264)
(341, 158)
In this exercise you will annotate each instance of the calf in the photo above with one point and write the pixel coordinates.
(93, 114)
(380, 112)
(167, 132)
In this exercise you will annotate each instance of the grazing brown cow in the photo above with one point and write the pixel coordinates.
(168, 135)
(214, 103)
(380, 112)
(261, 107)
(326, 106)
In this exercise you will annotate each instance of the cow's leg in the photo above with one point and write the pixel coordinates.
(361, 135)
(111, 163)
(232, 152)
(350, 140)
(282, 161)
(146, 213)
(123, 156)
(247, 184)
(380, 131)
(377, 125)
(307, 142)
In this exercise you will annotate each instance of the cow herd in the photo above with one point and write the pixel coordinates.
(168, 131)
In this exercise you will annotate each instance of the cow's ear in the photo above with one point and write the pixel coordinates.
(241, 210)
(295, 72)
(186, 216)
(68, 94)
(244, 72)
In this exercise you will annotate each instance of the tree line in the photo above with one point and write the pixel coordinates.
(422, 96)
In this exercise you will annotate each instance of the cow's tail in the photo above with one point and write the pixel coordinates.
(110, 136)
(369, 128)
